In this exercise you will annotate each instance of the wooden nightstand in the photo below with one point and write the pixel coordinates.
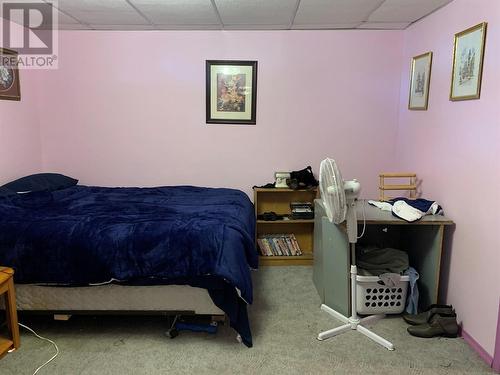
(7, 290)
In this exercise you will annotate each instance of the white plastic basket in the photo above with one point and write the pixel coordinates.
(373, 297)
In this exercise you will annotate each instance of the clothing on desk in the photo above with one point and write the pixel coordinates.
(409, 209)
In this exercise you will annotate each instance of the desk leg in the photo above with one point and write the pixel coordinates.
(424, 250)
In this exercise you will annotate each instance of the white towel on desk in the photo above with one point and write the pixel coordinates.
(384, 206)
(405, 211)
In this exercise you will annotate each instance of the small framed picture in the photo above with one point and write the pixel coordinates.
(231, 92)
(468, 53)
(420, 78)
(10, 87)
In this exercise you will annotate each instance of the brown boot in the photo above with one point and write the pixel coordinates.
(425, 316)
(440, 325)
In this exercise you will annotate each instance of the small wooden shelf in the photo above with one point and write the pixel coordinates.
(278, 200)
(299, 260)
(281, 190)
(399, 185)
(294, 221)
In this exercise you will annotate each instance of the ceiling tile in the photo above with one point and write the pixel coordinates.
(256, 12)
(102, 12)
(384, 25)
(405, 10)
(73, 26)
(63, 19)
(243, 14)
(178, 12)
(350, 25)
(324, 12)
(188, 27)
(256, 27)
(122, 27)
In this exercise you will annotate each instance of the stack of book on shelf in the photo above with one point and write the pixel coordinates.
(278, 244)
(302, 210)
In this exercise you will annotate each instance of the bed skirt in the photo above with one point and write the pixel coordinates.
(116, 298)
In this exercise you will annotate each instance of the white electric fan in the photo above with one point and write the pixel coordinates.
(339, 199)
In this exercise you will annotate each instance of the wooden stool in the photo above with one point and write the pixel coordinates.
(7, 289)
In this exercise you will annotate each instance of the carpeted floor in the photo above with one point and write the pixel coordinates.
(285, 320)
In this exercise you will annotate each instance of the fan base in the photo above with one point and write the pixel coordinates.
(354, 323)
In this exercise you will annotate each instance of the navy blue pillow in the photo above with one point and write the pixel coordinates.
(4, 192)
(40, 182)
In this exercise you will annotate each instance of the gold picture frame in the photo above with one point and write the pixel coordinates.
(420, 79)
(468, 57)
(10, 86)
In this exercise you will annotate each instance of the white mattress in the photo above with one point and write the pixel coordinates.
(112, 297)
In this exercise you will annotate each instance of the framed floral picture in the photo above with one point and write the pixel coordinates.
(420, 78)
(468, 54)
(231, 92)
(10, 87)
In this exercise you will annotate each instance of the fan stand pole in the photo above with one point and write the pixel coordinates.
(354, 322)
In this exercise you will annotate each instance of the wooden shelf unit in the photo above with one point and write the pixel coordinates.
(278, 200)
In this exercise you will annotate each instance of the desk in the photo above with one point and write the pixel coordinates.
(423, 240)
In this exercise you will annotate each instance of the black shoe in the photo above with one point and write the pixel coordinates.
(444, 325)
(270, 216)
(425, 316)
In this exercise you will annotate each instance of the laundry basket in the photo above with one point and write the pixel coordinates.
(373, 297)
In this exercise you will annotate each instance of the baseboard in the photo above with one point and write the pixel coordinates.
(496, 366)
(477, 348)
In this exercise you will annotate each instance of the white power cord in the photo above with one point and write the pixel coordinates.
(45, 339)
(364, 221)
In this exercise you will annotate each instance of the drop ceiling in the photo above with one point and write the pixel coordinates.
(242, 14)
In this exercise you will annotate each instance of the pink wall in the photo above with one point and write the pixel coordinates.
(128, 108)
(20, 152)
(454, 148)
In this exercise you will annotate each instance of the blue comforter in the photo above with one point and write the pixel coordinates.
(184, 235)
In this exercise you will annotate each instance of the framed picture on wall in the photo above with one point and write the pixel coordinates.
(468, 54)
(420, 78)
(231, 92)
(10, 87)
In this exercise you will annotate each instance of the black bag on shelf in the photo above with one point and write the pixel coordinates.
(303, 179)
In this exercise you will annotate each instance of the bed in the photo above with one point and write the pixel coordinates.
(83, 248)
